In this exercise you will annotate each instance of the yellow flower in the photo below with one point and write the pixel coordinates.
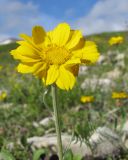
(116, 40)
(86, 99)
(1, 67)
(119, 95)
(3, 95)
(55, 56)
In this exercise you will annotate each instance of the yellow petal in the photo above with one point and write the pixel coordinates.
(61, 34)
(75, 38)
(90, 52)
(80, 45)
(50, 35)
(26, 37)
(41, 72)
(22, 68)
(23, 59)
(74, 69)
(72, 62)
(66, 79)
(30, 41)
(38, 34)
(52, 74)
(42, 67)
(37, 66)
(46, 42)
(29, 44)
(42, 75)
(27, 51)
(77, 54)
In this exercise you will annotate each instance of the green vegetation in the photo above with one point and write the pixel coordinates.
(102, 41)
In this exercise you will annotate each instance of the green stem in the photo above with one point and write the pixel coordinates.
(57, 122)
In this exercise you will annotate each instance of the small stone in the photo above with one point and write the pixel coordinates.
(46, 121)
(104, 83)
(105, 142)
(101, 59)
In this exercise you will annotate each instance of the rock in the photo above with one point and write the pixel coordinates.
(107, 149)
(120, 57)
(83, 70)
(125, 134)
(125, 127)
(93, 83)
(46, 121)
(126, 142)
(50, 130)
(105, 142)
(114, 74)
(6, 105)
(81, 149)
(120, 60)
(120, 64)
(102, 133)
(78, 108)
(102, 59)
(112, 54)
(35, 124)
(125, 76)
(50, 141)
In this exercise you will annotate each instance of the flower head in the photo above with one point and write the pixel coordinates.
(1, 67)
(119, 95)
(116, 40)
(87, 99)
(3, 95)
(55, 56)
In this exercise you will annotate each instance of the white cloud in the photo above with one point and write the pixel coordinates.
(106, 15)
(17, 17)
(14, 6)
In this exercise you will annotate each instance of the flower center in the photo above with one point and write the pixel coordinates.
(57, 55)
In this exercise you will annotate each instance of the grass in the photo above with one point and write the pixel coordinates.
(24, 103)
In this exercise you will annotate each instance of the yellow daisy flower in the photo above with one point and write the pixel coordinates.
(55, 56)
(1, 67)
(3, 95)
(86, 99)
(119, 95)
(116, 40)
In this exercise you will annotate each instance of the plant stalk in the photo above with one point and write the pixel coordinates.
(57, 121)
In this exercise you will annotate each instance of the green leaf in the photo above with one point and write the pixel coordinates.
(77, 157)
(38, 153)
(115, 123)
(24, 140)
(68, 155)
(5, 155)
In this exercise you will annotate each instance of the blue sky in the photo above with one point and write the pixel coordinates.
(64, 9)
(90, 16)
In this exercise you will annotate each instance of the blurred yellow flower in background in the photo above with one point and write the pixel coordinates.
(116, 40)
(1, 67)
(3, 95)
(119, 95)
(55, 56)
(86, 99)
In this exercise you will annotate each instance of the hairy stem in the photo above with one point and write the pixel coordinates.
(57, 122)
